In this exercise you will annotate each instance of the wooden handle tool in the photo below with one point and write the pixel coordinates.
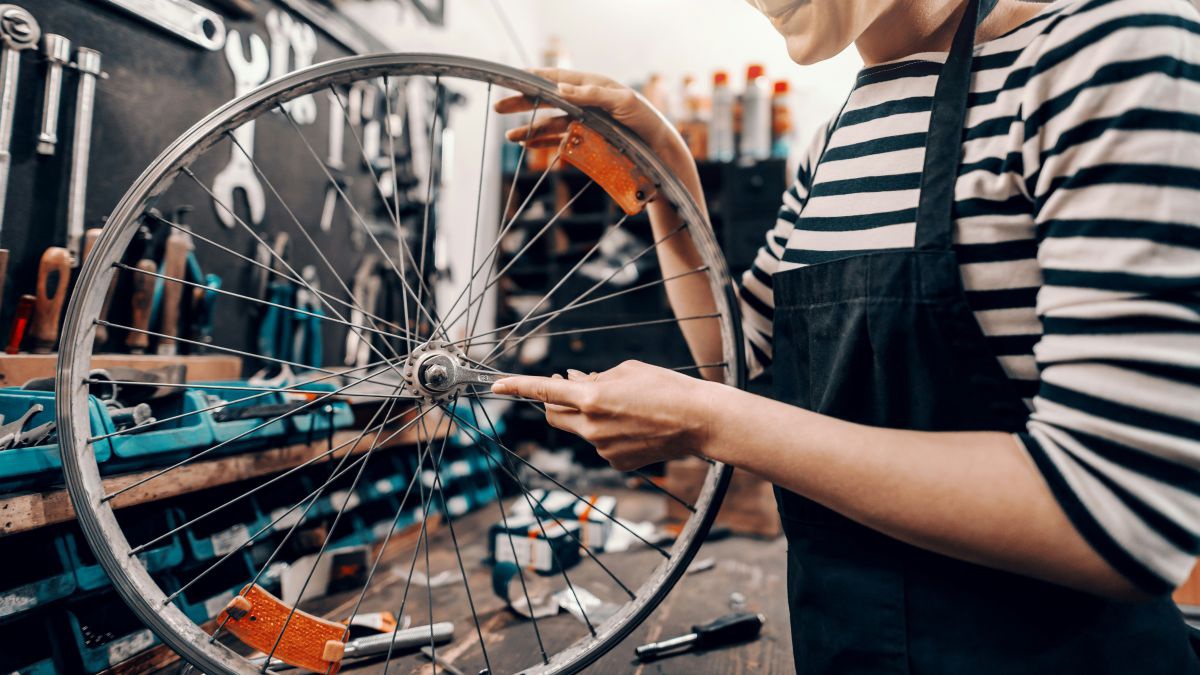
(174, 266)
(89, 240)
(54, 274)
(21, 317)
(143, 296)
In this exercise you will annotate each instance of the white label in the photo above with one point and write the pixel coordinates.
(340, 497)
(17, 600)
(229, 540)
(460, 468)
(457, 505)
(122, 649)
(216, 603)
(383, 486)
(287, 517)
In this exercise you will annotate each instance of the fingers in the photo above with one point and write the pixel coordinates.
(613, 99)
(544, 389)
(556, 126)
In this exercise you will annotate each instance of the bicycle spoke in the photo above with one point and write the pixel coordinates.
(263, 392)
(487, 111)
(231, 294)
(550, 478)
(437, 478)
(401, 244)
(585, 303)
(226, 442)
(429, 179)
(357, 216)
(591, 289)
(612, 326)
(271, 270)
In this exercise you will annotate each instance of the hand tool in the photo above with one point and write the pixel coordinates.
(180, 17)
(21, 317)
(373, 645)
(290, 37)
(334, 160)
(308, 345)
(727, 630)
(440, 662)
(57, 50)
(133, 416)
(34, 436)
(54, 274)
(366, 294)
(89, 240)
(87, 61)
(10, 431)
(239, 172)
(204, 302)
(174, 265)
(18, 31)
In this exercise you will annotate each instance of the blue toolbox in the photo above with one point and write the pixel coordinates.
(38, 465)
(206, 594)
(106, 632)
(140, 524)
(167, 442)
(37, 571)
(26, 647)
(319, 418)
(226, 529)
(243, 424)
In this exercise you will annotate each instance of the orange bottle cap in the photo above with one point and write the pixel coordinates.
(755, 70)
(720, 77)
(781, 86)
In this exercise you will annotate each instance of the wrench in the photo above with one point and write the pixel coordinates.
(87, 61)
(18, 31)
(291, 38)
(58, 53)
(239, 173)
(183, 18)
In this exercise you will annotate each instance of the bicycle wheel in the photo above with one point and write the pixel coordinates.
(409, 359)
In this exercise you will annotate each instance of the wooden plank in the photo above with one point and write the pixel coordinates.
(17, 369)
(19, 513)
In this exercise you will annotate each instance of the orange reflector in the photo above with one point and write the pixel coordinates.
(257, 617)
(612, 170)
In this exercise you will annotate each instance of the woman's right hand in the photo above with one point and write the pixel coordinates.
(596, 91)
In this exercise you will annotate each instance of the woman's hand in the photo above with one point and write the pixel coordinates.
(635, 414)
(596, 91)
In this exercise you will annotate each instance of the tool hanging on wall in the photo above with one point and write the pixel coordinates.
(57, 50)
(21, 318)
(168, 295)
(367, 286)
(18, 31)
(293, 47)
(87, 62)
(307, 346)
(239, 173)
(89, 240)
(142, 295)
(275, 333)
(182, 18)
(54, 275)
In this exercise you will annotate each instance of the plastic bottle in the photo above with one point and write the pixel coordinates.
(721, 146)
(781, 120)
(693, 124)
(756, 115)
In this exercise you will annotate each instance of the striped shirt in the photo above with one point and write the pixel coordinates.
(1078, 235)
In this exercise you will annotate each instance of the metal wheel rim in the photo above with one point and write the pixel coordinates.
(83, 481)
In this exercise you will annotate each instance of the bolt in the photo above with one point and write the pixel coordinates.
(436, 375)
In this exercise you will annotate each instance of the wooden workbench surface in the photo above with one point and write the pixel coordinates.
(754, 568)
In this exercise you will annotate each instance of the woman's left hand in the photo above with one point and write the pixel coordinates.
(635, 414)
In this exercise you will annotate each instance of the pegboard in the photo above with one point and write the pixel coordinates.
(157, 86)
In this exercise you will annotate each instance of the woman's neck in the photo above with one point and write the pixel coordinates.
(916, 26)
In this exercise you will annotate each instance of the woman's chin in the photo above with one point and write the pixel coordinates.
(805, 50)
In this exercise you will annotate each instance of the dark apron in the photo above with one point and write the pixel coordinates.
(887, 339)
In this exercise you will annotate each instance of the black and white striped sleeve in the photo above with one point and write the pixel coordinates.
(756, 295)
(1112, 157)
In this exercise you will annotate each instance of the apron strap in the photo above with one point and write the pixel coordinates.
(943, 147)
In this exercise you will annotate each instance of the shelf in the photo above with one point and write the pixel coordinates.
(17, 369)
(29, 511)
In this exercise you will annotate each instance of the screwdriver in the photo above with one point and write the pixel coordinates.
(727, 630)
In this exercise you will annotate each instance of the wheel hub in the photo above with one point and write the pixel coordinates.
(430, 368)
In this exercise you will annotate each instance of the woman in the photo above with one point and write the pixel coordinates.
(981, 305)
